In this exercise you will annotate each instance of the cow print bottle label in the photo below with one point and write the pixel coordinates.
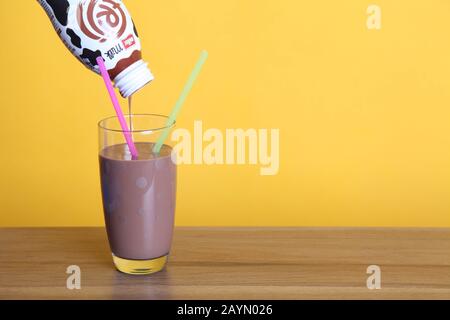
(93, 28)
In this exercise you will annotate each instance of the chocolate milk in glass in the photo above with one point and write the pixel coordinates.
(138, 200)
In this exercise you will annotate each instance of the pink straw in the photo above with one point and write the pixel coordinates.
(115, 102)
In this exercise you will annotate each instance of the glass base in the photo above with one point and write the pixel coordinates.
(140, 267)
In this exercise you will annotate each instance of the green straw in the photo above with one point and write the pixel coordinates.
(187, 88)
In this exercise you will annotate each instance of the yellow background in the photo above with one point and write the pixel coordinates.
(363, 115)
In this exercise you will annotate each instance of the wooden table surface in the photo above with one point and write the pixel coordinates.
(233, 263)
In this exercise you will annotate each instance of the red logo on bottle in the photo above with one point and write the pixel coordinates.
(129, 41)
(101, 19)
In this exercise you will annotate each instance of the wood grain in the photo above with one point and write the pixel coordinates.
(233, 263)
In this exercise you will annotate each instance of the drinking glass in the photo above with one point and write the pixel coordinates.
(138, 194)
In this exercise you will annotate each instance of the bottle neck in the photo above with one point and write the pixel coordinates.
(133, 78)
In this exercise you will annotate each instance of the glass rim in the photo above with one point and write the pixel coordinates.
(101, 126)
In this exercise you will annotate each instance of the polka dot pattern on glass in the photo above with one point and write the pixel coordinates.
(141, 182)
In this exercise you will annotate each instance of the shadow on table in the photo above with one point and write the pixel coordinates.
(154, 286)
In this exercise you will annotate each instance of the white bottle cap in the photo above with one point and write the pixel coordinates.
(133, 78)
